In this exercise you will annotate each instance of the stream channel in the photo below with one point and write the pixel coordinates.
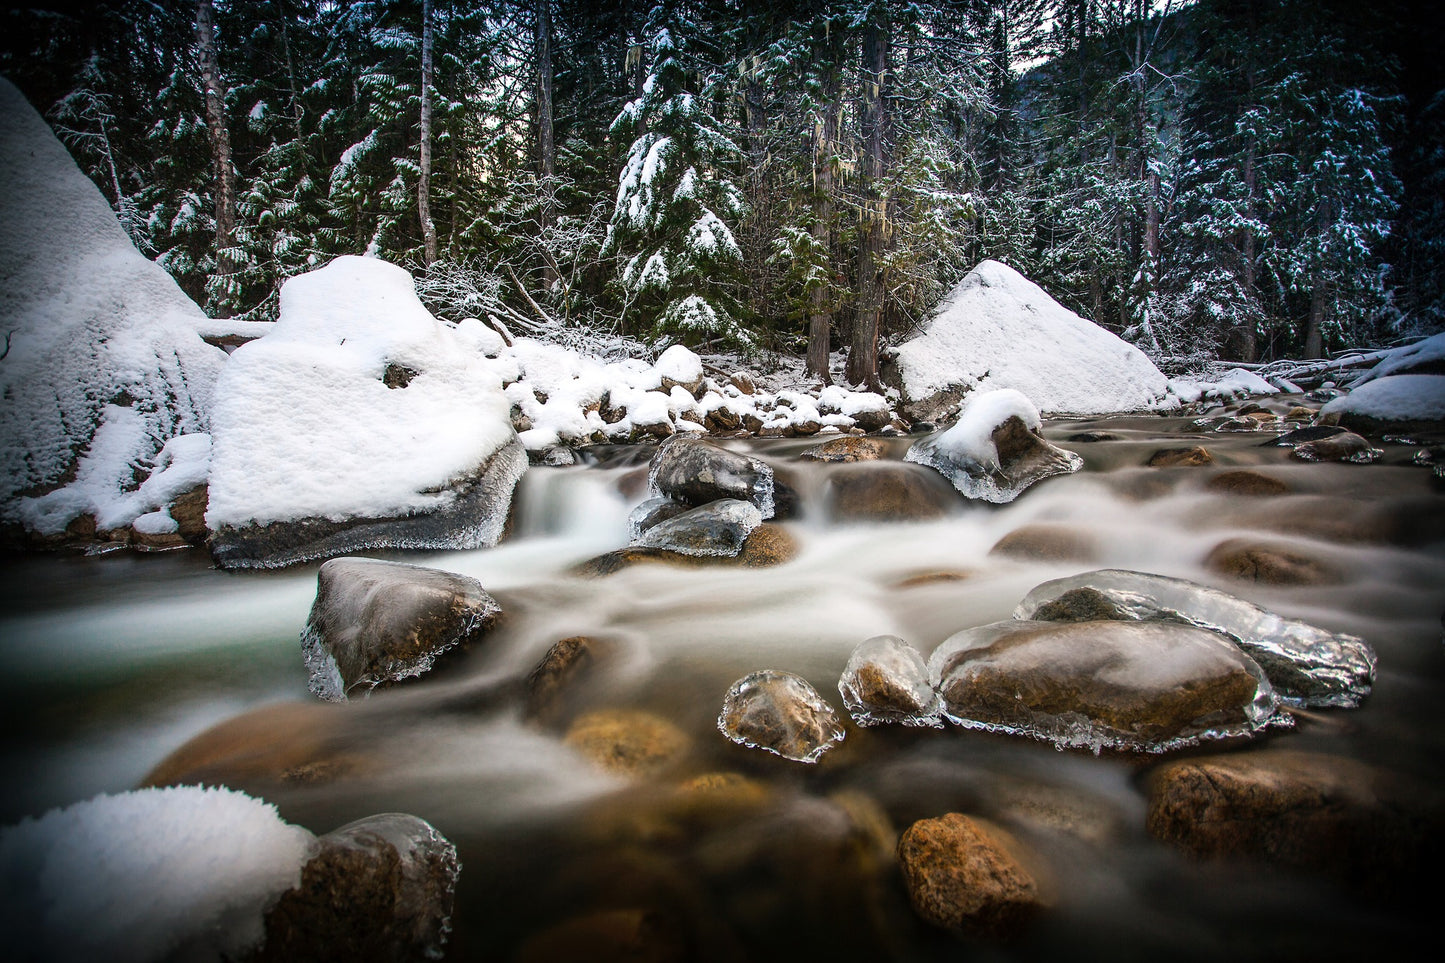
(110, 663)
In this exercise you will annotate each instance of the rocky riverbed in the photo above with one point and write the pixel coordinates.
(944, 775)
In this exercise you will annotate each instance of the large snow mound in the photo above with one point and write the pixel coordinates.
(1423, 357)
(997, 329)
(102, 360)
(178, 873)
(1409, 397)
(359, 404)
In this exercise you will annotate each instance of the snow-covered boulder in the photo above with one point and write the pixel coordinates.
(102, 363)
(997, 329)
(359, 422)
(1402, 402)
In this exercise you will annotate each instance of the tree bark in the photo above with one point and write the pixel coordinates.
(214, 87)
(862, 366)
(820, 314)
(423, 184)
(546, 135)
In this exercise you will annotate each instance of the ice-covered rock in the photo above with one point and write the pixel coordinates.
(359, 422)
(101, 363)
(886, 680)
(1342, 446)
(995, 450)
(651, 512)
(779, 712)
(375, 622)
(1306, 665)
(177, 873)
(717, 528)
(380, 888)
(997, 329)
(692, 471)
(1144, 686)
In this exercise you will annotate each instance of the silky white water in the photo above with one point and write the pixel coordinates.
(111, 663)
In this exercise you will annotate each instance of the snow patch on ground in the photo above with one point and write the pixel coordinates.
(183, 873)
(103, 362)
(997, 329)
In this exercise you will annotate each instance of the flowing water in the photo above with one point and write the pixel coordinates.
(111, 663)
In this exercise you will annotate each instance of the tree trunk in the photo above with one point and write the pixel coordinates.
(873, 117)
(1248, 333)
(820, 315)
(546, 135)
(423, 184)
(214, 87)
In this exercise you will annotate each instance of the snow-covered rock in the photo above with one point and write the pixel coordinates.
(177, 873)
(997, 329)
(359, 422)
(102, 361)
(1398, 399)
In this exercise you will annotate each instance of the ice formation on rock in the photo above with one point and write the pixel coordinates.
(1307, 665)
(779, 712)
(886, 680)
(717, 528)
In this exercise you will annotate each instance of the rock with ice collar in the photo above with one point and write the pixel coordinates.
(779, 712)
(1143, 686)
(375, 623)
(380, 888)
(886, 680)
(692, 471)
(717, 528)
(1306, 665)
(995, 450)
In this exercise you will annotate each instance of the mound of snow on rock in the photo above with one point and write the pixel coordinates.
(1410, 397)
(1422, 357)
(997, 329)
(102, 361)
(359, 404)
(178, 873)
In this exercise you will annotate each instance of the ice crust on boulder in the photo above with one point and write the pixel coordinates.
(886, 681)
(359, 405)
(780, 713)
(716, 529)
(997, 329)
(177, 873)
(1307, 666)
(104, 363)
(968, 452)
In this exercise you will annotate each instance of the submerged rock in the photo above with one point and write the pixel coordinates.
(1269, 564)
(995, 451)
(1344, 446)
(694, 472)
(1245, 482)
(887, 492)
(567, 662)
(375, 623)
(886, 680)
(1189, 457)
(1306, 665)
(1129, 685)
(627, 742)
(1302, 435)
(961, 875)
(779, 712)
(380, 888)
(717, 528)
(1045, 542)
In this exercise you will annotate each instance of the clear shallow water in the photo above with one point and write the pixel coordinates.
(111, 663)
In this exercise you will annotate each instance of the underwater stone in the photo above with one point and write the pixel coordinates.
(376, 622)
(1146, 686)
(1307, 666)
(779, 712)
(961, 875)
(1345, 446)
(886, 680)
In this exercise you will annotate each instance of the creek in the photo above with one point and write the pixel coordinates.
(111, 663)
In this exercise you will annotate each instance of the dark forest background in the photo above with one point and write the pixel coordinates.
(1218, 179)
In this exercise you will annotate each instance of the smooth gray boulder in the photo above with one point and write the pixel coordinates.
(695, 472)
(716, 529)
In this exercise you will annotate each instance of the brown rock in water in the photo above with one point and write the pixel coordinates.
(1180, 457)
(888, 492)
(962, 875)
(1299, 413)
(628, 742)
(1245, 482)
(1258, 562)
(380, 889)
(849, 448)
(288, 742)
(1369, 828)
(1345, 446)
(1047, 543)
(932, 578)
(1135, 685)
(566, 663)
(630, 935)
(779, 712)
(768, 545)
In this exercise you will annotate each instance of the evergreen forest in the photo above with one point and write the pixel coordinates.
(1217, 179)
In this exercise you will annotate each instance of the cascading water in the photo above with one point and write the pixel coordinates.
(110, 664)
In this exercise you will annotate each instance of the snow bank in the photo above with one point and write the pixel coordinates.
(103, 363)
(306, 424)
(1428, 355)
(177, 873)
(997, 329)
(1410, 397)
(1234, 383)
